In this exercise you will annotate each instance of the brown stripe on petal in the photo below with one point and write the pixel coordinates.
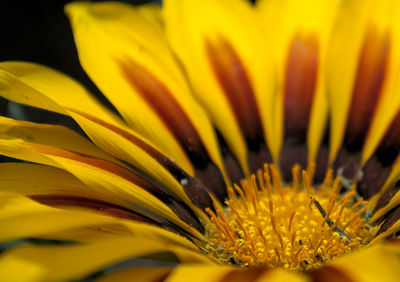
(330, 274)
(236, 85)
(300, 81)
(374, 175)
(248, 274)
(231, 163)
(347, 164)
(301, 73)
(389, 148)
(392, 217)
(178, 207)
(101, 206)
(369, 80)
(160, 99)
(196, 192)
(377, 169)
(387, 196)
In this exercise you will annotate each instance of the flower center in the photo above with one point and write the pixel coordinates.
(297, 227)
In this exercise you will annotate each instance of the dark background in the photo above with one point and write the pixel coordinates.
(39, 31)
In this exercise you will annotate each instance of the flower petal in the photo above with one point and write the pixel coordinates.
(376, 263)
(45, 88)
(77, 261)
(363, 41)
(222, 56)
(133, 66)
(58, 188)
(199, 273)
(299, 45)
(21, 217)
(99, 175)
(145, 274)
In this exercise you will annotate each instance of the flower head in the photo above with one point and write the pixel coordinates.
(248, 142)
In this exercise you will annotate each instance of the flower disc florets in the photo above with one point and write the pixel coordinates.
(297, 227)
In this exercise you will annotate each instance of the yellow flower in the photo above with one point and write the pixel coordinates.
(296, 101)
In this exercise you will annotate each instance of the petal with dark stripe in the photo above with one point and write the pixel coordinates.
(229, 70)
(134, 67)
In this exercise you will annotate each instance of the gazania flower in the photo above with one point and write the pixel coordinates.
(248, 143)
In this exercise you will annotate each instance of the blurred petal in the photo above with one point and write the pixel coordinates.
(145, 274)
(76, 261)
(229, 273)
(377, 263)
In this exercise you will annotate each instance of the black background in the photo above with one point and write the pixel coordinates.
(39, 31)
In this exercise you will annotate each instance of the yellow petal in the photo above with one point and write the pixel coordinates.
(299, 45)
(45, 88)
(126, 145)
(52, 135)
(77, 261)
(44, 182)
(145, 274)
(221, 48)
(21, 217)
(377, 263)
(362, 42)
(42, 87)
(101, 175)
(223, 273)
(135, 69)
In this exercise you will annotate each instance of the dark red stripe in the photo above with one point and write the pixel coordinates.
(370, 77)
(330, 274)
(391, 218)
(235, 82)
(301, 73)
(101, 206)
(239, 275)
(160, 99)
(236, 85)
(195, 191)
(386, 197)
(389, 148)
(232, 76)
(300, 82)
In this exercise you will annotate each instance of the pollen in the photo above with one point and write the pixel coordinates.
(297, 227)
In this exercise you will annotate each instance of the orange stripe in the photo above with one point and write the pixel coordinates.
(178, 207)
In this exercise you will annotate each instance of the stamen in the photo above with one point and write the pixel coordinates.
(287, 226)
